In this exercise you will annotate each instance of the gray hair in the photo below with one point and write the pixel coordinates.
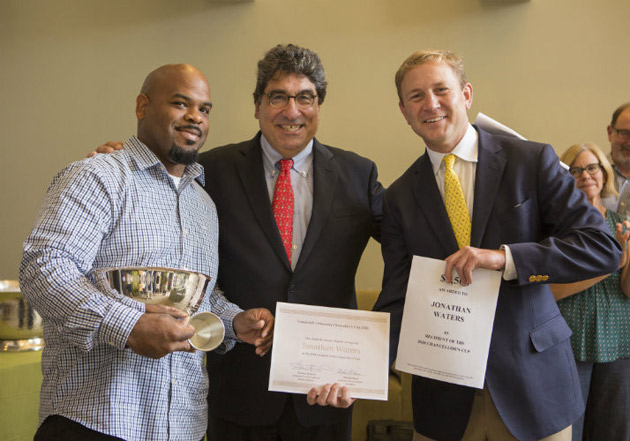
(290, 59)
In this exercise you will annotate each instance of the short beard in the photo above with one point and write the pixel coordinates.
(178, 155)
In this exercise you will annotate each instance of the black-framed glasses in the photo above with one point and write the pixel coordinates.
(280, 100)
(622, 133)
(591, 169)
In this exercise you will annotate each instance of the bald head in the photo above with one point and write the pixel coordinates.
(167, 73)
(173, 114)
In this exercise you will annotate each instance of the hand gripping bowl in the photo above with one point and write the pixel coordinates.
(181, 289)
(20, 325)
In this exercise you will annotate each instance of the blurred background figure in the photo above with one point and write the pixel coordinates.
(598, 312)
(619, 137)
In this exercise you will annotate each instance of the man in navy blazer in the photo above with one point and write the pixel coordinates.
(529, 221)
(338, 207)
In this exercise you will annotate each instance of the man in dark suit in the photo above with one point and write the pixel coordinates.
(525, 218)
(337, 207)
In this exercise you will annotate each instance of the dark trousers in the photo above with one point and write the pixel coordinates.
(287, 428)
(58, 428)
(608, 403)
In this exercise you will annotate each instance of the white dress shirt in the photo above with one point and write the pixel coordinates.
(467, 153)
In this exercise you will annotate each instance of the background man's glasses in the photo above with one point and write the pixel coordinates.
(280, 100)
(623, 134)
(591, 169)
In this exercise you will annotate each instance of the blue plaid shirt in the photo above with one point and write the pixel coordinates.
(120, 210)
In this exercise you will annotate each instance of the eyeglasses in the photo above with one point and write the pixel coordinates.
(622, 133)
(280, 100)
(591, 169)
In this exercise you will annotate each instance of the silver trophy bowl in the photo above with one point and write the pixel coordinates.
(21, 326)
(180, 289)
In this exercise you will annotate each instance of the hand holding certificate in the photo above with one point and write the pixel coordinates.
(315, 345)
(446, 327)
(330, 395)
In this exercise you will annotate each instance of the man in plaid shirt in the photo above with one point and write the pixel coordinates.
(115, 368)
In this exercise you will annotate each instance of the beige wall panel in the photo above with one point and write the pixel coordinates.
(552, 69)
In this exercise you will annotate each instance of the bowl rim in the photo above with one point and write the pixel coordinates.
(149, 268)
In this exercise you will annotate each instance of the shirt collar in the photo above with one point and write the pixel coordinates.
(616, 170)
(302, 162)
(144, 158)
(466, 149)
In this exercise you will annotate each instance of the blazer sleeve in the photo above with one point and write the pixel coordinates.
(577, 242)
(397, 259)
(376, 201)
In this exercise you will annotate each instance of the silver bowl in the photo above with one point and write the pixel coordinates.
(181, 289)
(20, 325)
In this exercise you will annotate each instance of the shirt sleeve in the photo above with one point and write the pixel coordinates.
(226, 311)
(509, 273)
(58, 255)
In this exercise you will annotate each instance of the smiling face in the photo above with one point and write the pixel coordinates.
(290, 128)
(591, 185)
(434, 104)
(173, 115)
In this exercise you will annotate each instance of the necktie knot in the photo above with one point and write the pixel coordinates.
(285, 165)
(449, 161)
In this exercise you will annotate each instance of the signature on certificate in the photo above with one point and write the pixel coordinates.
(300, 366)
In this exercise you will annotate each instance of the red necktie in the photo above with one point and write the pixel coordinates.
(282, 205)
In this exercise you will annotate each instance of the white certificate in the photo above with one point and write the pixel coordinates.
(446, 328)
(316, 345)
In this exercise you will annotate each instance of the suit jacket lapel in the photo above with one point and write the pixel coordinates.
(427, 194)
(252, 174)
(490, 168)
(325, 175)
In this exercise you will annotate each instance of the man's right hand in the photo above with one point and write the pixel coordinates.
(160, 331)
(108, 147)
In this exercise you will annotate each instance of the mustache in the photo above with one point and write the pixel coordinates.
(196, 129)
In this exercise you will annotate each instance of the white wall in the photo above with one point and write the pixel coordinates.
(554, 70)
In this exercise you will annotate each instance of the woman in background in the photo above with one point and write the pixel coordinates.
(598, 312)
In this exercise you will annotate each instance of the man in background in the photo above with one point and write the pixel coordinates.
(619, 137)
(113, 367)
(478, 200)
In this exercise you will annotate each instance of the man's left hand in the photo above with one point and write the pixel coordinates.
(468, 259)
(329, 396)
(255, 326)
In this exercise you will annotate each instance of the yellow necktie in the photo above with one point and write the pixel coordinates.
(455, 203)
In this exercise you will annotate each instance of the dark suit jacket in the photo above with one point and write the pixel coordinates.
(254, 270)
(523, 199)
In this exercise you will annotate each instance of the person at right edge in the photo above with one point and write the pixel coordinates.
(619, 136)
(598, 312)
(528, 221)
